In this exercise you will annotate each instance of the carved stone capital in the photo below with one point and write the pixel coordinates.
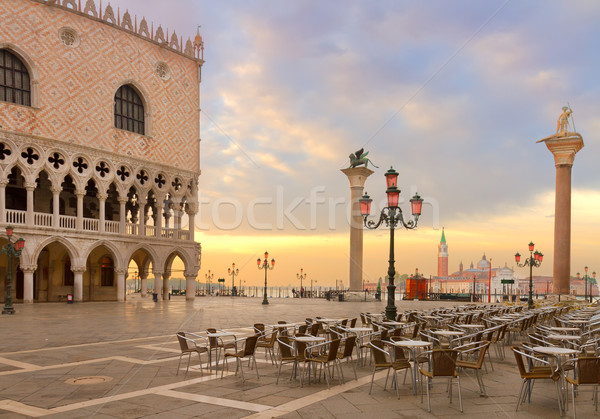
(28, 268)
(78, 269)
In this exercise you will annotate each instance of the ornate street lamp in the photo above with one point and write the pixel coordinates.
(534, 259)
(587, 279)
(265, 265)
(233, 272)
(392, 216)
(302, 276)
(11, 250)
(209, 277)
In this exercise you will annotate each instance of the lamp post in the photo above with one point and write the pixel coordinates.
(265, 265)
(302, 276)
(392, 216)
(233, 272)
(209, 277)
(135, 279)
(587, 279)
(11, 250)
(534, 259)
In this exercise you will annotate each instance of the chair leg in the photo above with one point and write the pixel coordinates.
(279, 372)
(428, 397)
(520, 398)
(386, 378)
(255, 367)
(180, 356)
(573, 394)
(459, 395)
(200, 360)
(372, 378)
(327, 375)
(188, 365)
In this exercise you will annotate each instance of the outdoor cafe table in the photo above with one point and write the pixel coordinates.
(395, 324)
(412, 345)
(472, 326)
(216, 337)
(563, 338)
(308, 339)
(360, 332)
(559, 353)
(283, 327)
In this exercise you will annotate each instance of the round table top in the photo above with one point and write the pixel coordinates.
(430, 317)
(564, 337)
(565, 329)
(554, 350)
(411, 343)
(577, 321)
(327, 320)
(284, 325)
(393, 323)
(360, 329)
(448, 332)
(308, 338)
(472, 326)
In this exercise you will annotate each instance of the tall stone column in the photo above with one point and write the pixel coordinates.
(158, 284)
(190, 286)
(56, 206)
(165, 285)
(78, 282)
(357, 177)
(28, 271)
(30, 188)
(143, 286)
(121, 288)
(122, 220)
(3, 183)
(563, 146)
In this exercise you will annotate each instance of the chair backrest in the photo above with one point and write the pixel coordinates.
(259, 327)
(519, 359)
(378, 352)
(588, 370)
(415, 332)
(281, 322)
(333, 349)
(302, 328)
(250, 345)
(344, 322)
(384, 334)
(349, 346)
(353, 322)
(482, 350)
(285, 347)
(443, 362)
(314, 329)
(273, 337)
(212, 340)
(183, 343)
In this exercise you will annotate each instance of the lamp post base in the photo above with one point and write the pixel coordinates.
(265, 302)
(8, 310)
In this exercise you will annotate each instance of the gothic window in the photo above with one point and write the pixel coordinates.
(129, 110)
(107, 272)
(15, 86)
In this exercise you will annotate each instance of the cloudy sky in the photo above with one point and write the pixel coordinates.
(453, 95)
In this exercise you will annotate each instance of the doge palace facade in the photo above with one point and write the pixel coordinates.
(99, 150)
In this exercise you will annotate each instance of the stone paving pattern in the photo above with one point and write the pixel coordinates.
(133, 344)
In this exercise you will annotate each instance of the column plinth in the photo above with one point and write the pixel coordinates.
(357, 177)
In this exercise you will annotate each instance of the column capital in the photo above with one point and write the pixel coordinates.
(157, 273)
(357, 176)
(28, 268)
(56, 189)
(80, 193)
(563, 147)
(122, 199)
(188, 275)
(78, 269)
(102, 196)
(30, 186)
(121, 271)
(3, 183)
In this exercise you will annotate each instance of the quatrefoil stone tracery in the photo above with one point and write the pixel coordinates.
(123, 173)
(160, 181)
(80, 164)
(102, 169)
(142, 177)
(30, 155)
(4, 151)
(56, 160)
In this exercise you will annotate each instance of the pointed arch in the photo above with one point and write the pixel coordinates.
(114, 250)
(68, 245)
(183, 255)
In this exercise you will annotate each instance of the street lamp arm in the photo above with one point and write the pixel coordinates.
(391, 216)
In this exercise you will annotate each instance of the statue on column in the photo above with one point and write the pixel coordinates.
(562, 124)
(359, 158)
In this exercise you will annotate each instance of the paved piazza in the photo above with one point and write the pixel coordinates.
(129, 353)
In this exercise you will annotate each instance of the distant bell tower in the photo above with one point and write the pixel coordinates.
(443, 256)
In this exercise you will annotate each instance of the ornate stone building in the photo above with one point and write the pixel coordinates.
(99, 149)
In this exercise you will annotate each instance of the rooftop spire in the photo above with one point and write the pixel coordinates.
(443, 236)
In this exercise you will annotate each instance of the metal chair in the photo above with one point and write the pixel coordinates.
(246, 353)
(442, 364)
(588, 374)
(189, 346)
